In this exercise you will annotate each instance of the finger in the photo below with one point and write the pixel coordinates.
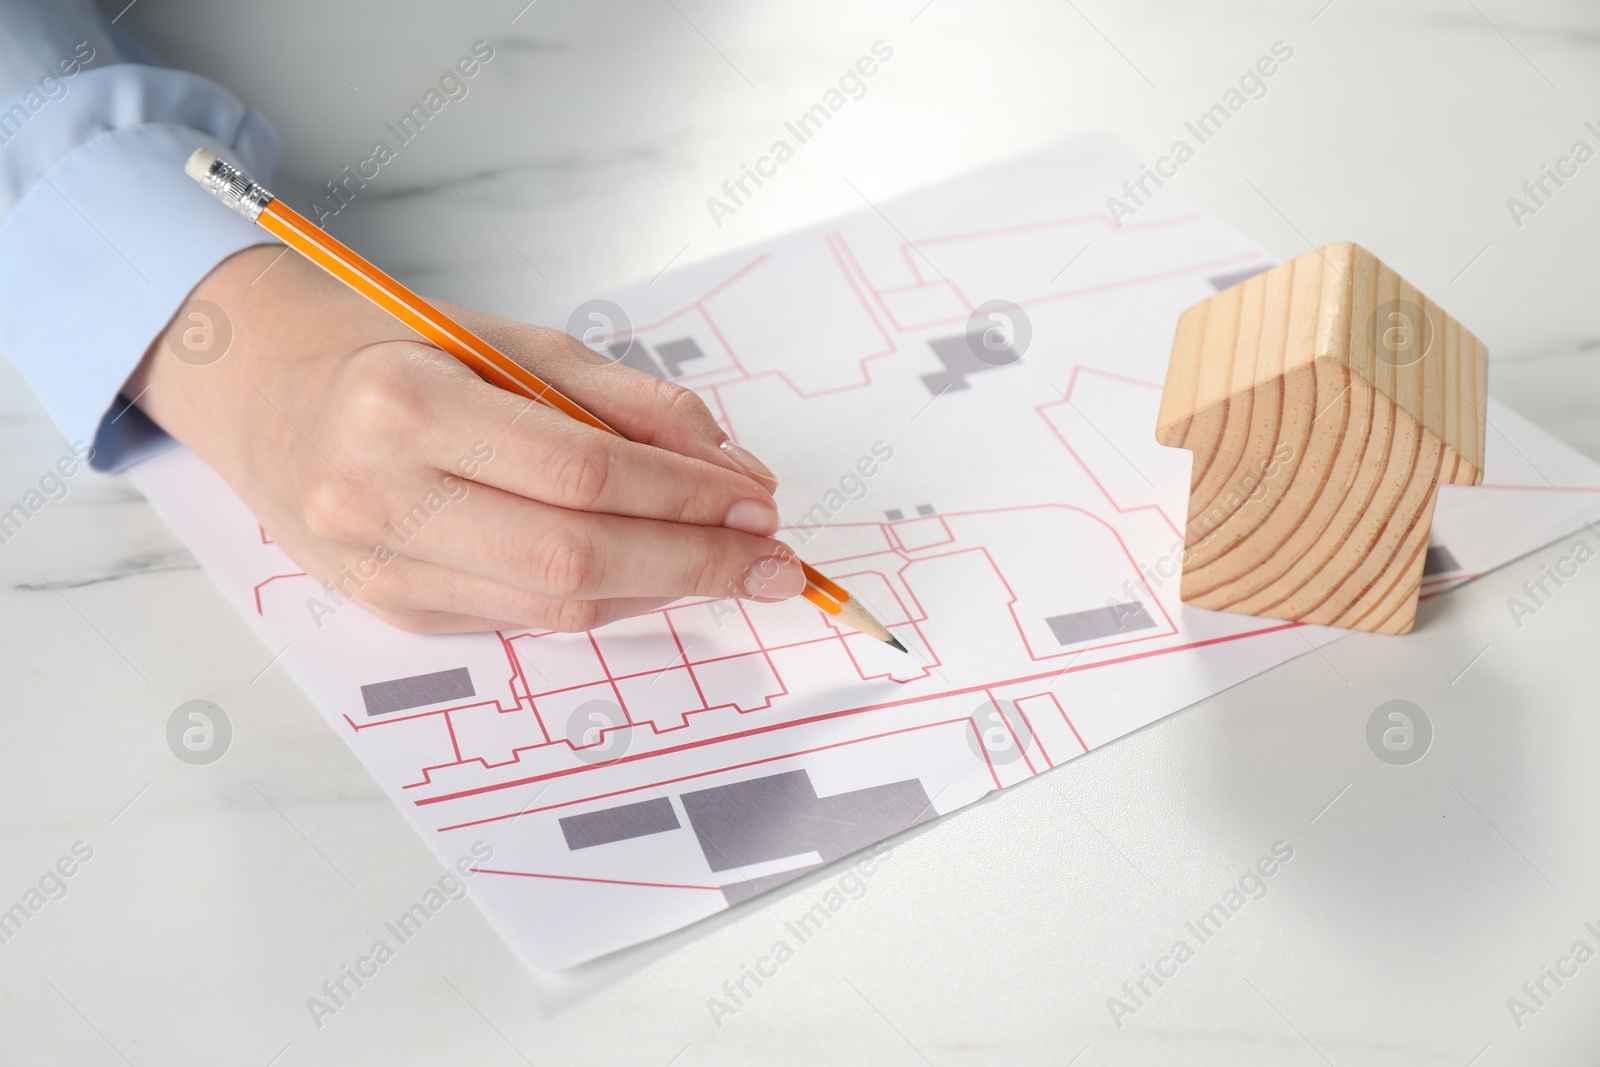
(425, 597)
(543, 455)
(435, 622)
(639, 406)
(666, 415)
(574, 555)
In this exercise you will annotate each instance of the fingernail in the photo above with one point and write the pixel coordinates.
(753, 466)
(774, 578)
(752, 516)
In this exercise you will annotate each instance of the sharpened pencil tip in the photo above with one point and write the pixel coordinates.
(894, 643)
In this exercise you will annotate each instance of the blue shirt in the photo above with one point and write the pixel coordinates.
(102, 235)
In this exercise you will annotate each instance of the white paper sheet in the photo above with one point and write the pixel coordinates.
(730, 747)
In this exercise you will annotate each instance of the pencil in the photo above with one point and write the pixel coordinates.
(249, 198)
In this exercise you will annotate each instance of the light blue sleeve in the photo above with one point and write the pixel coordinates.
(102, 235)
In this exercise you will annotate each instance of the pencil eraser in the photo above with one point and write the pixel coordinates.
(199, 164)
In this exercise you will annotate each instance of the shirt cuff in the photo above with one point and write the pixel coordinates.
(112, 237)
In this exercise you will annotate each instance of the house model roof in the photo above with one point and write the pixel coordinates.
(1341, 304)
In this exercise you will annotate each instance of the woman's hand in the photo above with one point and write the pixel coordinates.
(440, 503)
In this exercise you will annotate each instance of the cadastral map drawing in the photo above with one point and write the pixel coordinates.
(959, 391)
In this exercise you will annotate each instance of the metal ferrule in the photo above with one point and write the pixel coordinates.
(236, 189)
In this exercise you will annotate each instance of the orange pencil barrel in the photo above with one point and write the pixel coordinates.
(498, 369)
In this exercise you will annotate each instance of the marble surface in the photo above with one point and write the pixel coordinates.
(219, 898)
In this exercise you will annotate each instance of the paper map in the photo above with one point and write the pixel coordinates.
(1019, 531)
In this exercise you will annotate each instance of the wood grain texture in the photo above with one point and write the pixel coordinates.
(1324, 402)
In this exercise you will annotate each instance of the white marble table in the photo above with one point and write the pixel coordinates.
(1419, 897)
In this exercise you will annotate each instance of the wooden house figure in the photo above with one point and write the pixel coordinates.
(1324, 401)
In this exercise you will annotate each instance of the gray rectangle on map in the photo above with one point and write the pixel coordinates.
(619, 824)
(399, 694)
(779, 816)
(1219, 282)
(1113, 619)
(1439, 560)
